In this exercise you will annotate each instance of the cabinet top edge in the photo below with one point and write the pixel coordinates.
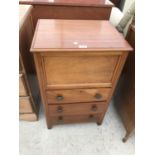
(93, 3)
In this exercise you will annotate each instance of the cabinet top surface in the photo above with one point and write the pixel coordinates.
(69, 2)
(51, 35)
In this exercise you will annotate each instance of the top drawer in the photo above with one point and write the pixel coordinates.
(78, 95)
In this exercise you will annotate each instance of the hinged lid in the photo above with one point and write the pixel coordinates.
(58, 35)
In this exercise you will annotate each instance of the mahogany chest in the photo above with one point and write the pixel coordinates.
(70, 9)
(78, 64)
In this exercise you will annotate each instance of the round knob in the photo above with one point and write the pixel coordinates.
(91, 116)
(60, 119)
(59, 97)
(94, 108)
(98, 96)
(59, 109)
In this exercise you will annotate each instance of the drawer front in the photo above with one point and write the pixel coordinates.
(22, 86)
(74, 118)
(28, 117)
(25, 105)
(77, 108)
(78, 95)
(79, 71)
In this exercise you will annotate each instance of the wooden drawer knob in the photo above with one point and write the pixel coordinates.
(59, 109)
(91, 116)
(98, 96)
(59, 97)
(94, 108)
(60, 119)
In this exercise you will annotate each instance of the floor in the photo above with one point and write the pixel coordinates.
(75, 139)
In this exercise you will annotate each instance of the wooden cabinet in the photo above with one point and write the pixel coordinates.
(28, 85)
(70, 9)
(124, 98)
(78, 64)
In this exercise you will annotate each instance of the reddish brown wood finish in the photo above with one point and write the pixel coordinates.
(77, 95)
(70, 9)
(28, 85)
(98, 3)
(77, 109)
(79, 74)
(73, 68)
(70, 12)
(53, 35)
(124, 98)
(74, 118)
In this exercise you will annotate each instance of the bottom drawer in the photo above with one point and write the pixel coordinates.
(25, 105)
(74, 119)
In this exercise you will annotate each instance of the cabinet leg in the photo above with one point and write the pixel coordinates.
(99, 123)
(100, 119)
(49, 123)
(49, 126)
(126, 137)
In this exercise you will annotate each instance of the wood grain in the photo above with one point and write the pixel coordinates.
(75, 34)
(73, 119)
(30, 104)
(124, 98)
(22, 86)
(70, 9)
(69, 2)
(25, 105)
(28, 117)
(77, 95)
(78, 70)
(70, 12)
(77, 109)
(67, 71)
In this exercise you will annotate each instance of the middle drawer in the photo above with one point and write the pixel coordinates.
(77, 95)
(77, 108)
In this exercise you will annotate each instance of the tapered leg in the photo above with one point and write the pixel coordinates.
(99, 123)
(48, 122)
(100, 119)
(126, 137)
(49, 125)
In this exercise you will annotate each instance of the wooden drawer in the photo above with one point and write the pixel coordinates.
(74, 118)
(28, 117)
(78, 95)
(25, 105)
(77, 108)
(22, 86)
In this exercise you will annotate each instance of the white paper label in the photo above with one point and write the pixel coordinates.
(82, 46)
